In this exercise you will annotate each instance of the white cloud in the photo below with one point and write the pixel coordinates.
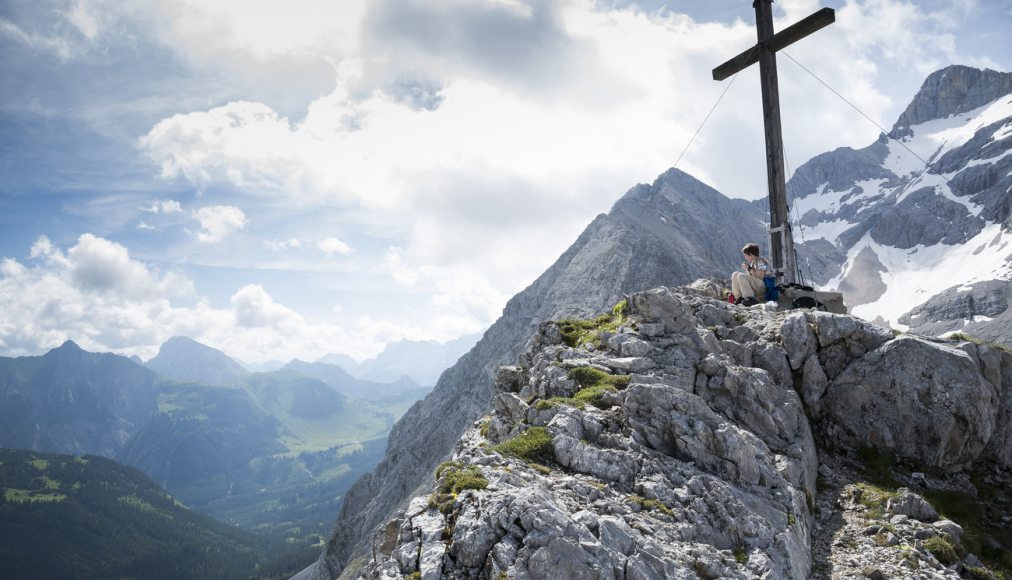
(217, 222)
(40, 42)
(394, 263)
(97, 295)
(84, 19)
(165, 206)
(332, 246)
(504, 164)
(283, 245)
(263, 30)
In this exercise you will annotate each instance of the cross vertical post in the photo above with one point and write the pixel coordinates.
(781, 239)
(764, 53)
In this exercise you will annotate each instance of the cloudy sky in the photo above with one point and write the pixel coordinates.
(281, 179)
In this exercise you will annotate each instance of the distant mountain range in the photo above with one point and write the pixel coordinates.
(422, 361)
(273, 451)
(915, 228)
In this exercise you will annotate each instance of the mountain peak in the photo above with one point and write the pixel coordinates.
(69, 346)
(954, 89)
(185, 359)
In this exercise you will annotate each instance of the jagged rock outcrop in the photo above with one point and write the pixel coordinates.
(671, 232)
(980, 309)
(676, 445)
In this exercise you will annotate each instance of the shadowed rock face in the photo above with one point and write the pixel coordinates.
(700, 461)
(671, 232)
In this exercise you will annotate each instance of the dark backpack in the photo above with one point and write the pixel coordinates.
(808, 302)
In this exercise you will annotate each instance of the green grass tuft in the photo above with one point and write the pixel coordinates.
(650, 505)
(542, 469)
(594, 384)
(979, 517)
(874, 497)
(442, 502)
(455, 478)
(533, 446)
(982, 573)
(447, 465)
(941, 548)
(577, 332)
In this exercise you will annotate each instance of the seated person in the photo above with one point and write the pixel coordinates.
(748, 287)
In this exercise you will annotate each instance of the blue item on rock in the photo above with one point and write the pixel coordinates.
(772, 292)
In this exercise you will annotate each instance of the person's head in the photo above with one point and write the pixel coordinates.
(750, 250)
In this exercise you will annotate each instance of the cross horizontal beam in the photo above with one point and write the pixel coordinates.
(780, 40)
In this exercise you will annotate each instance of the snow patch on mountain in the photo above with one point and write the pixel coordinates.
(915, 275)
(933, 139)
(922, 210)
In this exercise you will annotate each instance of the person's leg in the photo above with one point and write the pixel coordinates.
(740, 286)
(757, 287)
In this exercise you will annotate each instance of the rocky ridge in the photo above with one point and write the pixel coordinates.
(678, 439)
(670, 232)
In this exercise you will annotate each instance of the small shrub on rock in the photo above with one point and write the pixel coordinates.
(533, 446)
(455, 478)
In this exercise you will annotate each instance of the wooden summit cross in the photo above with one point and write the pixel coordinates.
(764, 52)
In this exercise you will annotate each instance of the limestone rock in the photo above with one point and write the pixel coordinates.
(925, 401)
(954, 530)
(798, 339)
(694, 461)
(911, 505)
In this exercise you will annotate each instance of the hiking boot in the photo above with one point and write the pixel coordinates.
(750, 301)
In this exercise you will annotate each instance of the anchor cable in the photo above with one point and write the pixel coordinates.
(646, 203)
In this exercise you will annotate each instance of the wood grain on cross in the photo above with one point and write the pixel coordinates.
(764, 52)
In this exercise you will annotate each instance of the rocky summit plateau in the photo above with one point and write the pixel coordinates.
(683, 437)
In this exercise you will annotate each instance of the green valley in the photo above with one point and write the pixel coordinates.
(63, 516)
